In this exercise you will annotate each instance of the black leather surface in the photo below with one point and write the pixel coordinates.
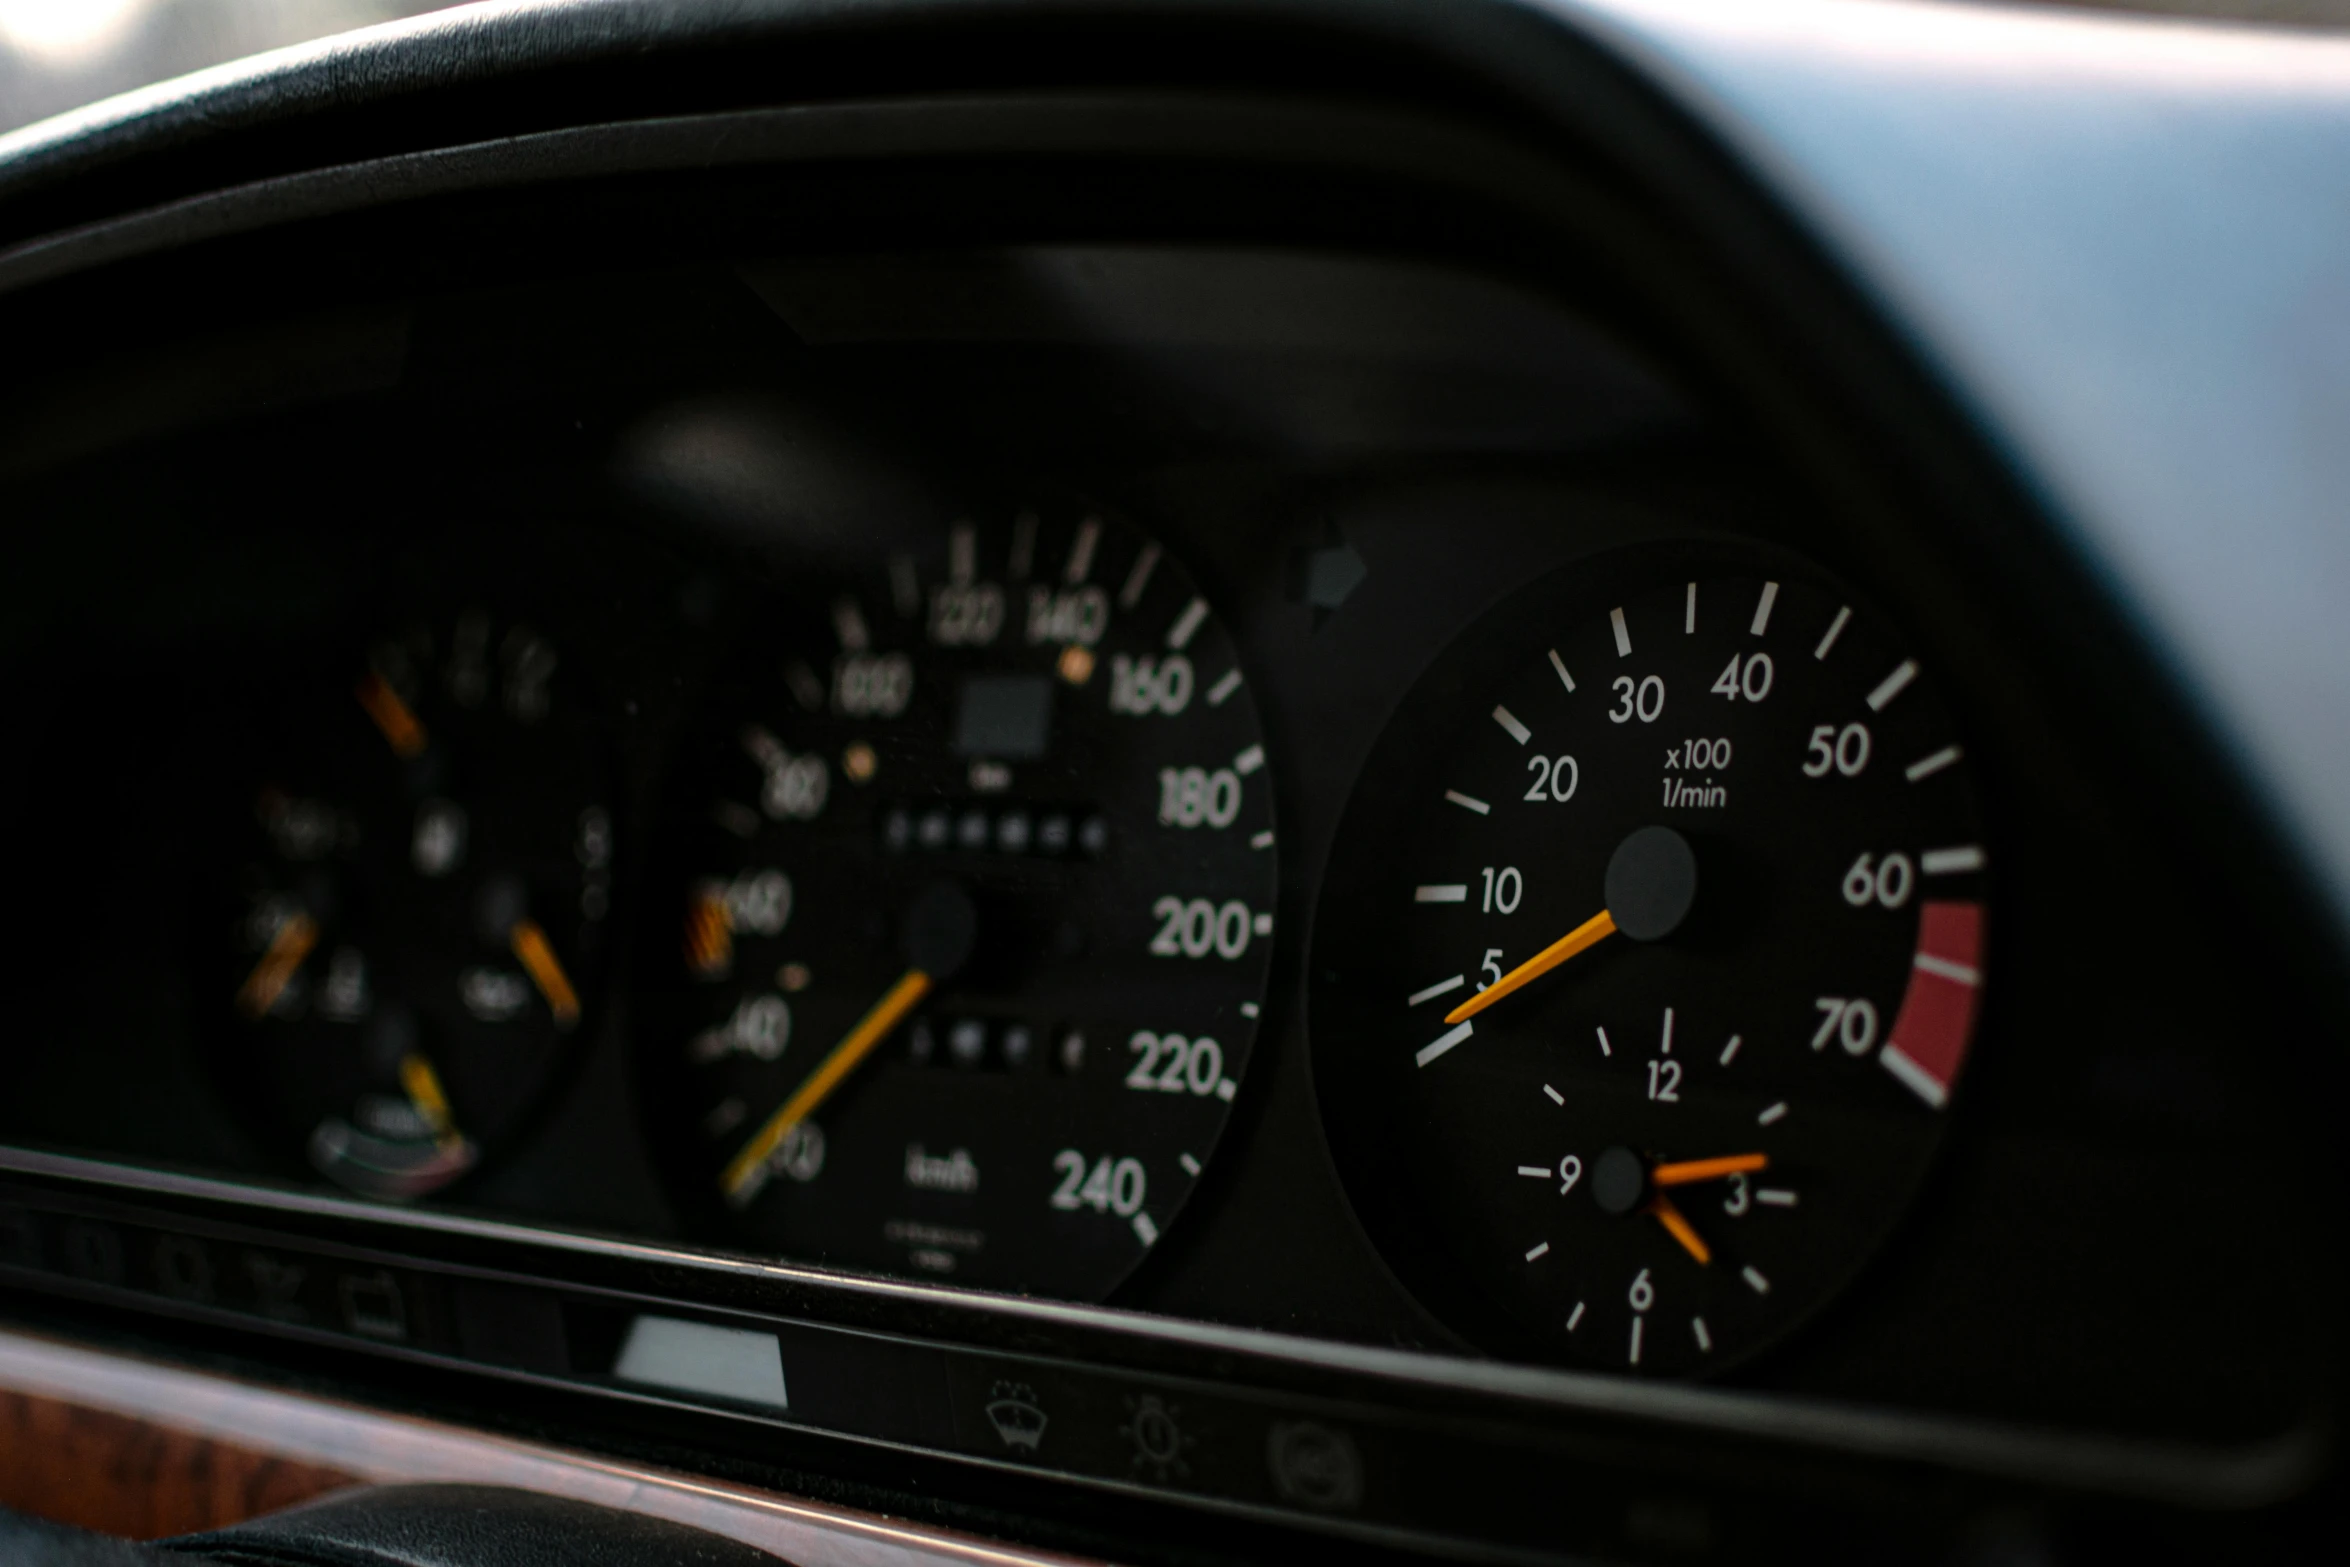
(35, 1542)
(475, 75)
(453, 1526)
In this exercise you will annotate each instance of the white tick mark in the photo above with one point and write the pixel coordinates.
(1835, 630)
(1891, 686)
(1187, 625)
(1443, 1042)
(1442, 987)
(1080, 566)
(1139, 578)
(1926, 767)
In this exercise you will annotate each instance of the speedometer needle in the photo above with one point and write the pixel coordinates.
(1582, 938)
(870, 1031)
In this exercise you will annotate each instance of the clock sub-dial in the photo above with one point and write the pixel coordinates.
(969, 905)
(415, 924)
(1652, 962)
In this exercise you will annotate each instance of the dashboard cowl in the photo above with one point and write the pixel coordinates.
(2112, 242)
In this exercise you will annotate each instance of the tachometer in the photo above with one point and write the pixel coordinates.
(968, 921)
(1651, 959)
(417, 921)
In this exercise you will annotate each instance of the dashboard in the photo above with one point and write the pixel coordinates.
(1228, 796)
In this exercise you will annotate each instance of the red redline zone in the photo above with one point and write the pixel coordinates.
(1937, 1021)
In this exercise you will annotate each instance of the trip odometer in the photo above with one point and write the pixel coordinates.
(1650, 960)
(968, 916)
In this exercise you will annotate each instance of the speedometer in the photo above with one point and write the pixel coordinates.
(1650, 960)
(968, 915)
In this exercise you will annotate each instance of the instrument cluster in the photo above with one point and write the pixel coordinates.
(1644, 967)
(1382, 827)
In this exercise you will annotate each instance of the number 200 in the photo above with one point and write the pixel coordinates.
(1196, 928)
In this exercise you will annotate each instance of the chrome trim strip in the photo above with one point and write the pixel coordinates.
(2174, 1472)
(388, 1449)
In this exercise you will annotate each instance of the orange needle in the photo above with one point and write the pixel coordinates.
(1679, 1228)
(1590, 933)
(538, 957)
(292, 943)
(1693, 1170)
(394, 717)
(870, 1031)
(709, 933)
(423, 1087)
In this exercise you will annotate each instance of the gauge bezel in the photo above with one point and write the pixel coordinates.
(777, 621)
(1390, 792)
(232, 1056)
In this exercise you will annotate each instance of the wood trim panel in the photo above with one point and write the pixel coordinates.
(167, 1405)
(123, 1475)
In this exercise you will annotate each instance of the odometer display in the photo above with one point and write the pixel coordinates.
(1651, 962)
(969, 915)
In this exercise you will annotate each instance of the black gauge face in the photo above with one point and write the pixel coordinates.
(969, 922)
(1651, 962)
(415, 931)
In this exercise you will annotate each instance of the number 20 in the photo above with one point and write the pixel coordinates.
(1554, 778)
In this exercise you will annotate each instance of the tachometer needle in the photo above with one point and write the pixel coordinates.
(870, 1031)
(1691, 1171)
(399, 723)
(1680, 1229)
(1583, 937)
(296, 935)
(538, 959)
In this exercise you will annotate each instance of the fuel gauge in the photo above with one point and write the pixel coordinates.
(416, 925)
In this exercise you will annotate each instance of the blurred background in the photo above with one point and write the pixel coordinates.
(59, 54)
